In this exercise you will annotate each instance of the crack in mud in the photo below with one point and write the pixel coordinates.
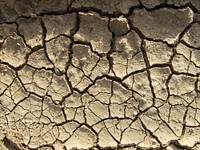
(100, 74)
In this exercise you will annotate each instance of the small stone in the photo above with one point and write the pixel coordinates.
(119, 26)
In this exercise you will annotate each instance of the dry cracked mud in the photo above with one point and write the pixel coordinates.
(100, 74)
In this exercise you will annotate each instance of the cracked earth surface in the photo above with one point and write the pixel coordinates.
(100, 74)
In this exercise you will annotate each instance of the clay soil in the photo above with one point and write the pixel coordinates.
(100, 74)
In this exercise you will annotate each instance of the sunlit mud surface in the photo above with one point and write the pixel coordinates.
(100, 74)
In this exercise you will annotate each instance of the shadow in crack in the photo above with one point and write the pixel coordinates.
(10, 145)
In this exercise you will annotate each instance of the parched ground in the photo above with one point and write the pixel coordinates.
(100, 74)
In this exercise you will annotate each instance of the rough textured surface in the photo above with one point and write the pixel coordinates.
(106, 6)
(100, 74)
(149, 4)
(97, 29)
(61, 24)
(162, 24)
(191, 37)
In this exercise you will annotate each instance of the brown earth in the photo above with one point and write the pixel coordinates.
(100, 74)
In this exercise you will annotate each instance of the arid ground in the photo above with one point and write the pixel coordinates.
(100, 74)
